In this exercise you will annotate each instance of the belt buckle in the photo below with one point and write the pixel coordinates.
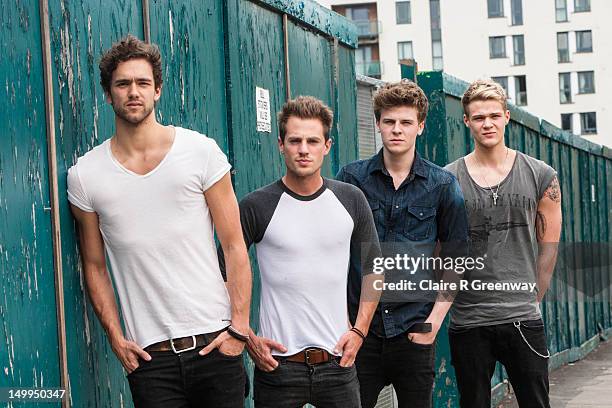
(307, 355)
(185, 349)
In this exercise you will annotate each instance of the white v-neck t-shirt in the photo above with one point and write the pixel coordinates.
(158, 236)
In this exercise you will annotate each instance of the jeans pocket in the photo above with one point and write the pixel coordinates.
(419, 345)
(227, 356)
(335, 362)
(533, 335)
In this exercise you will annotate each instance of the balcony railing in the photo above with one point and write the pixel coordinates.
(369, 68)
(367, 28)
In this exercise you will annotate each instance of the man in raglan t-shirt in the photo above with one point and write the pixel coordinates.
(147, 198)
(513, 203)
(305, 229)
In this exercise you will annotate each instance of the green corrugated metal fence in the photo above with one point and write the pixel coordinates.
(577, 306)
(215, 52)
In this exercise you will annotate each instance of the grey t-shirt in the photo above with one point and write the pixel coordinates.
(504, 235)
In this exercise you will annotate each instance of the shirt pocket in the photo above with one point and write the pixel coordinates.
(419, 222)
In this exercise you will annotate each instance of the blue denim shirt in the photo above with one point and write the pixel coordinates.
(427, 208)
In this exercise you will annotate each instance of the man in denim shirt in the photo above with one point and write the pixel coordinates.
(417, 206)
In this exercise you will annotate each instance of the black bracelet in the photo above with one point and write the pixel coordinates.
(358, 332)
(237, 335)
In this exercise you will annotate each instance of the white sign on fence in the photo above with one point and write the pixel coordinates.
(262, 101)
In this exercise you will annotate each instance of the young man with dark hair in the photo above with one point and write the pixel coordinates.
(416, 205)
(306, 229)
(147, 198)
(514, 208)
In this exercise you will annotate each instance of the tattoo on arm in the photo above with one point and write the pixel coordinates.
(554, 191)
(540, 225)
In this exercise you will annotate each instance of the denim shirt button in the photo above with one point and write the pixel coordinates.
(397, 206)
(421, 214)
(386, 311)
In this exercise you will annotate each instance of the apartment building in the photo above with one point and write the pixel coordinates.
(551, 56)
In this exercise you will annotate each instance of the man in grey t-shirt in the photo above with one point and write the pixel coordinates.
(513, 204)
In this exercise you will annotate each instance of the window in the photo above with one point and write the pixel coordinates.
(404, 50)
(586, 82)
(566, 122)
(436, 35)
(436, 48)
(588, 123)
(560, 11)
(496, 8)
(565, 87)
(581, 6)
(357, 13)
(517, 12)
(497, 47)
(563, 54)
(584, 41)
(520, 90)
(503, 81)
(518, 45)
(402, 12)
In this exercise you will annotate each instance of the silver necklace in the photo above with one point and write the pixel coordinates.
(494, 194)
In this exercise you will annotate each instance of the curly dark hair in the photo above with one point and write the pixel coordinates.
(403, 93)
(128, 48)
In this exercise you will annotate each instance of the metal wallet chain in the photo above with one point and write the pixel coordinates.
(518, 326)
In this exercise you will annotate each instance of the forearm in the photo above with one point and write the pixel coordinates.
(102, 296)
(368, 302)
(239, 285)
(547, 258)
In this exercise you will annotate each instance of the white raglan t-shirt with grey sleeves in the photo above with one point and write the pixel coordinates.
(304, 245)
(158, 236)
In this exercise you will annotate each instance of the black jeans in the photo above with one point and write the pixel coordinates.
(188, 380)
(291, 385)
(408, 366)
(474, 352)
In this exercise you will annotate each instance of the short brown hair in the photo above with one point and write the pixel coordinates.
(484, 90)
(126, 49)
(305, 107)
(403, 93)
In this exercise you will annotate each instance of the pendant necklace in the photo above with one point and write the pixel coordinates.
(494, 194)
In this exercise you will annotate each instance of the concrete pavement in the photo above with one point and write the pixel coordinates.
(584, 384)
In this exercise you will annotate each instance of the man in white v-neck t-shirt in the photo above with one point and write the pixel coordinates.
(148, 198)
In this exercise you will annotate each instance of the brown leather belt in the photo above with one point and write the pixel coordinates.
(183, 344)
(312, 356)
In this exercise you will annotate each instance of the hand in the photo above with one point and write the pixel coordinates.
(425, 338)
(128, 353)
(348, 345)
(226, 344)
(260, 350)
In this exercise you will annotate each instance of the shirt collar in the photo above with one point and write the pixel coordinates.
(418, 165)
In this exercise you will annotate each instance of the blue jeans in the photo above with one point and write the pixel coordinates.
(408, 366)
(475, 351)
(188, 380)
(291, 385)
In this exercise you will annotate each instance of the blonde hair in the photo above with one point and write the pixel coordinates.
(484, 90)
(305, 107)
(403, 93)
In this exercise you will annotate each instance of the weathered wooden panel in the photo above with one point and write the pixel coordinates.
(28, 324)
(80, 31)
(255, 59)
(190, 38)
(345, 110)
